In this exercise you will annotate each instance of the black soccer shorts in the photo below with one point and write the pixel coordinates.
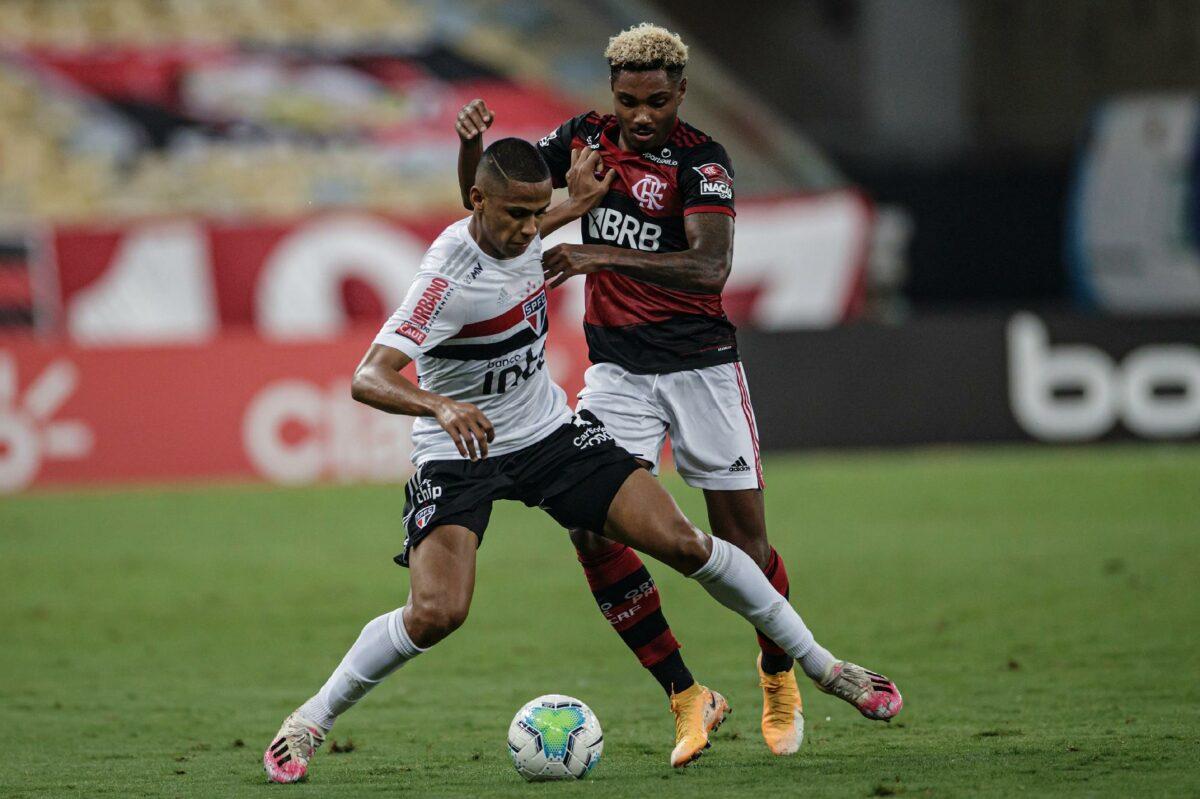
(573, 474)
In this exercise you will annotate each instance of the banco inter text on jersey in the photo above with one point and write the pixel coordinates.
(476, 327)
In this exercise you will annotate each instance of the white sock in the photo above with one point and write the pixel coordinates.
(733, 579)
(382, 647)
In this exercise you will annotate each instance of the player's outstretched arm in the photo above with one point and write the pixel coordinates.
(472, 120)
(703, 267)
(378, 383)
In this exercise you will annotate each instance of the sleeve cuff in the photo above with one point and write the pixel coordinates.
(709, 209)
(399, 342)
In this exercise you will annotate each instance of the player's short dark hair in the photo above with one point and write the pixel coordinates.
(513, 159)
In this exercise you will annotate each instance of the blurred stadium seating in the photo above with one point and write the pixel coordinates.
(276, 107)
(159, 108)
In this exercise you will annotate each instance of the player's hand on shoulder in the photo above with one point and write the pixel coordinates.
(564, 261)
(588, 180)
(468, 427)
(474, 118)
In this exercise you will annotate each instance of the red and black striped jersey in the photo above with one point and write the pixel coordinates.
(644, 327)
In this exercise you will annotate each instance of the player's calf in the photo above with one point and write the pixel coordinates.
(734, 580)
(629, 600)
(739, 516)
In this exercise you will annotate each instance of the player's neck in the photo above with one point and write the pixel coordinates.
(475, 231)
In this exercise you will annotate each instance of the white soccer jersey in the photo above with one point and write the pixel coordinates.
(476, 327)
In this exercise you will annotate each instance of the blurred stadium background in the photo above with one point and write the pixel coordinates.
(959, 222)
(230, 193)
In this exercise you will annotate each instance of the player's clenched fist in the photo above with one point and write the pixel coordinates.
(468, 427)
(473, 120)
(588, 180)
(564, 261)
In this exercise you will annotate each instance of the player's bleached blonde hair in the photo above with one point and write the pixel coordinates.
(645, 47)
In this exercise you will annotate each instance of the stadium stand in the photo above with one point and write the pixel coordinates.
(277, 107)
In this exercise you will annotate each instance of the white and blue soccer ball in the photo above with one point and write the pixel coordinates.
(555, 737)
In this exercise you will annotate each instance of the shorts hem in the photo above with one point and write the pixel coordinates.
(468, 519)
(722, 482)
(630, 467)
(612, 476)
(655, 468)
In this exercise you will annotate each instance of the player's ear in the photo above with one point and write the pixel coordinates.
(476, 198)
(682, 88)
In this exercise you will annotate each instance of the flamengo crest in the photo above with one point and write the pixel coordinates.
(649, 192)
(715, 179)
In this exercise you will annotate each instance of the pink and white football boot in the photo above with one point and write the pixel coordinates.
(286, 759)
(875, 696)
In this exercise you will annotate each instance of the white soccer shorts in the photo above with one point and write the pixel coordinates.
(707, 413)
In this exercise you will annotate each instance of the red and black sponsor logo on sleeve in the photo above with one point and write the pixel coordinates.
(412, 332)
(715, 180)
(428, 306)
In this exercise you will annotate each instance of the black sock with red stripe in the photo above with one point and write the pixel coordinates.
(628, 598)
(774, 659)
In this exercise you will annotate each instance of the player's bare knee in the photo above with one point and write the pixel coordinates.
(430, 622)
(588, 544)
(689, 547)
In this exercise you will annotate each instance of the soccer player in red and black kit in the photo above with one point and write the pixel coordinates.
(656, 199)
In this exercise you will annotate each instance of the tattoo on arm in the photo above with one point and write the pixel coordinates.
(703, 267)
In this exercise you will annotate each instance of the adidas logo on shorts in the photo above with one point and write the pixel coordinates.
(740, 465)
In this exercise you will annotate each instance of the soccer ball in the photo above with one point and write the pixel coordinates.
(555, 737)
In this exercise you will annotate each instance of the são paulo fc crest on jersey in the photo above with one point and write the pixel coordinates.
(424, 515)
(535, 312)
(715, 180)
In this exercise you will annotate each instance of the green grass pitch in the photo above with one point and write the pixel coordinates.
(1039, 608)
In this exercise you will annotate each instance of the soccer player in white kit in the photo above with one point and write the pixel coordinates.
(492, 425)
(658, 246)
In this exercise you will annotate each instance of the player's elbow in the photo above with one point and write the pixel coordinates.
(360, 387)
